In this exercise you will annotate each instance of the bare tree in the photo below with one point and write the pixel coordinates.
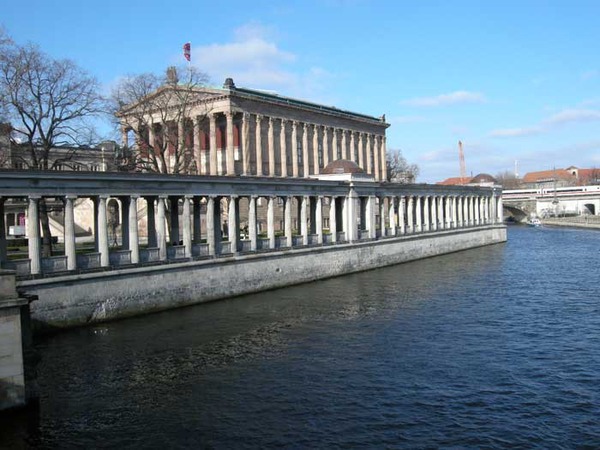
(158, 111)
(508, 180)
(48, 103)
(398, 168)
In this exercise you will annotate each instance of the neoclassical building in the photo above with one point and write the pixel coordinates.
(237, 131)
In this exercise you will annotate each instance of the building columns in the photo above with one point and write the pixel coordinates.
(69, 229)
(187, 226)
(161, 228)
(259, 159)
(134, 244)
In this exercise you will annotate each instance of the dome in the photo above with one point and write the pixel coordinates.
(483, 178)
(340, 166)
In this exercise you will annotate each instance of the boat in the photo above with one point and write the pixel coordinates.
(534, 222)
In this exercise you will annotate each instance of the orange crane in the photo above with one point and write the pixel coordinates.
(461, 158)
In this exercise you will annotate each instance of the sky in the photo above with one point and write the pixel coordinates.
(518, 82)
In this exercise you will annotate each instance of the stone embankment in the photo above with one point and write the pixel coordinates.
(578, 222)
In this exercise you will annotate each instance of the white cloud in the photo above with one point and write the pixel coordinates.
(254, 59)
(453, 98)
(515, 132)
(573, 115)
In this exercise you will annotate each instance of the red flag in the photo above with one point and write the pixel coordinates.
(187, 48)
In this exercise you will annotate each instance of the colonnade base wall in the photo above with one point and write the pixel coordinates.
(82, 299)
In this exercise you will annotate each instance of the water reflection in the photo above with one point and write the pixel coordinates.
(493, 347)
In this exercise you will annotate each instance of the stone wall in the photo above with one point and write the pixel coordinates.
(77, 300)
(12, 373)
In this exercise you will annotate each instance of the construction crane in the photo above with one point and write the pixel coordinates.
(461, 158)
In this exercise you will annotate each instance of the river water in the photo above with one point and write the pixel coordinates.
(497, 347)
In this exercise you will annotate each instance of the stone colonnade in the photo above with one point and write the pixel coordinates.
(355, 213)
(240, 143)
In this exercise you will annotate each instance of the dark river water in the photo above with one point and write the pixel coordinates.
(497, 347)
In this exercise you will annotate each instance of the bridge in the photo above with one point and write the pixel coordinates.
(519, 204)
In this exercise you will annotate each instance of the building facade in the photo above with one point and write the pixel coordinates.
(237, 131)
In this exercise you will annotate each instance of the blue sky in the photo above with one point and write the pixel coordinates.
(514, 80)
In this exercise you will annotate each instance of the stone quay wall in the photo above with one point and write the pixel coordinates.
(82, 299)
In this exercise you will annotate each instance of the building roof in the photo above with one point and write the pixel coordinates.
(453, 181)
(551, 175)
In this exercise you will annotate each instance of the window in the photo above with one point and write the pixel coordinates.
(299, 151)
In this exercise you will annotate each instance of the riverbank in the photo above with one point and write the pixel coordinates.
(592, 222)
(76, 300)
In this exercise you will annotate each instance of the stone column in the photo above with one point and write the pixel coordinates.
(344, 144)
(259, 158)
(283, 149)
(376, 155)
(418, 214)
(252, 223)
(197, 151)
(401, 207)
(319, 219)
(271, 143)
(161, 228)
(392, 215)
(433, 225)
(315, 143)
(361, 148)
(334, 144)
(305, 152)
(271, 222)
(213, 144)
(134, 242)
(211, 234)
(370, 217)
(351, 214)
(383, 159)
(3, 246)
(69, 236)
(499, 209)
(187, 226)
(440, 208)
(245, 144)
(230, 163)
(295, 149)
(103, 232)
(454, 215)
(353, 147)
(426, 221)
(410, 215)
(233, 228)
(333, 219)
(304, 219)
(181, 136)
(447, 217)
(325, 146)
(369, 138)
(382, 215)
(288, 220)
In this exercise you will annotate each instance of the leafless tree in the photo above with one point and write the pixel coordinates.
(153, 107)
(48, 103)
(398, 168)
(508, 180)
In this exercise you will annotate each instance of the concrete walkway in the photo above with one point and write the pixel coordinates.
(578, 222)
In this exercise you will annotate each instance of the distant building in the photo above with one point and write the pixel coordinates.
(70, 158)
(483, 179)
(571, 176)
